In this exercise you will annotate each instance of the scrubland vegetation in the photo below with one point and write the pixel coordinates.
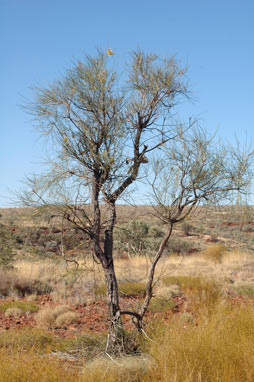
(92, 293)
(199, 326)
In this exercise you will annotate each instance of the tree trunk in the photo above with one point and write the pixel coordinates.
(115, 342)
(149, 285)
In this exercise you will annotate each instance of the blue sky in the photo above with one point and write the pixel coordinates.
(41, 38)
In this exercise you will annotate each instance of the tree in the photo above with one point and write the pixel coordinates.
(103, 134)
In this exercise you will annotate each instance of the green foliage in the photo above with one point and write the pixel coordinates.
(26, 339)
(6, 246)
(89, 344)
(186, 227)
(30, 366)
(244, 290)
(202, 293)
(25, 306)
(132, 288)
(125, 289)
(43, 341)
(137, 237)
(178, 246)
(160, 304)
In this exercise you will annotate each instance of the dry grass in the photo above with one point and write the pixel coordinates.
(215, 253)
(125, 369)
(45, 318)
(26, 339)
(13, 312)
(217, 350)
(167, 291)
(66, 318)
(81, 286)
(210, 341)
(61, 315)
(24, 367)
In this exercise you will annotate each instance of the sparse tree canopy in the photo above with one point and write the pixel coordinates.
(103, 127)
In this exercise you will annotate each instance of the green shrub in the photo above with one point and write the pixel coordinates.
(137, 237)
(132, 288)
(125, 289)
(6, 247)
(26, 339)
(24, 306)
(186, 318)
(244, 290)
(178, 246)
(186, 227)
(160, 304)
(202, 293)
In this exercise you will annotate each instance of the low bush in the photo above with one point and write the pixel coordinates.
(137, 237)
(132, 289)
(215, 253)
(201, 293)
(89, 345)
(160, 304)
(66, 319)
(11, 283)
(168, 291)
(42, 341)
(186, 318)
(244, 290)
(187, 227)
(45, 318)
(48, 318)
(13, 312)
(181, 247)
(131, 369)
(60, 309)
(125, 289)
(6, 246)
(24, 306)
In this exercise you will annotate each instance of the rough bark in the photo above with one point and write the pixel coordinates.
(115, 342)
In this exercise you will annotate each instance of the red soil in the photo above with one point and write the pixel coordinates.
(93, 317)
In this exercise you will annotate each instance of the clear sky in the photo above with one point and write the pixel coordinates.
(41, 38)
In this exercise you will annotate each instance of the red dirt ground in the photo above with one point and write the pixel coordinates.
(93, 317)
